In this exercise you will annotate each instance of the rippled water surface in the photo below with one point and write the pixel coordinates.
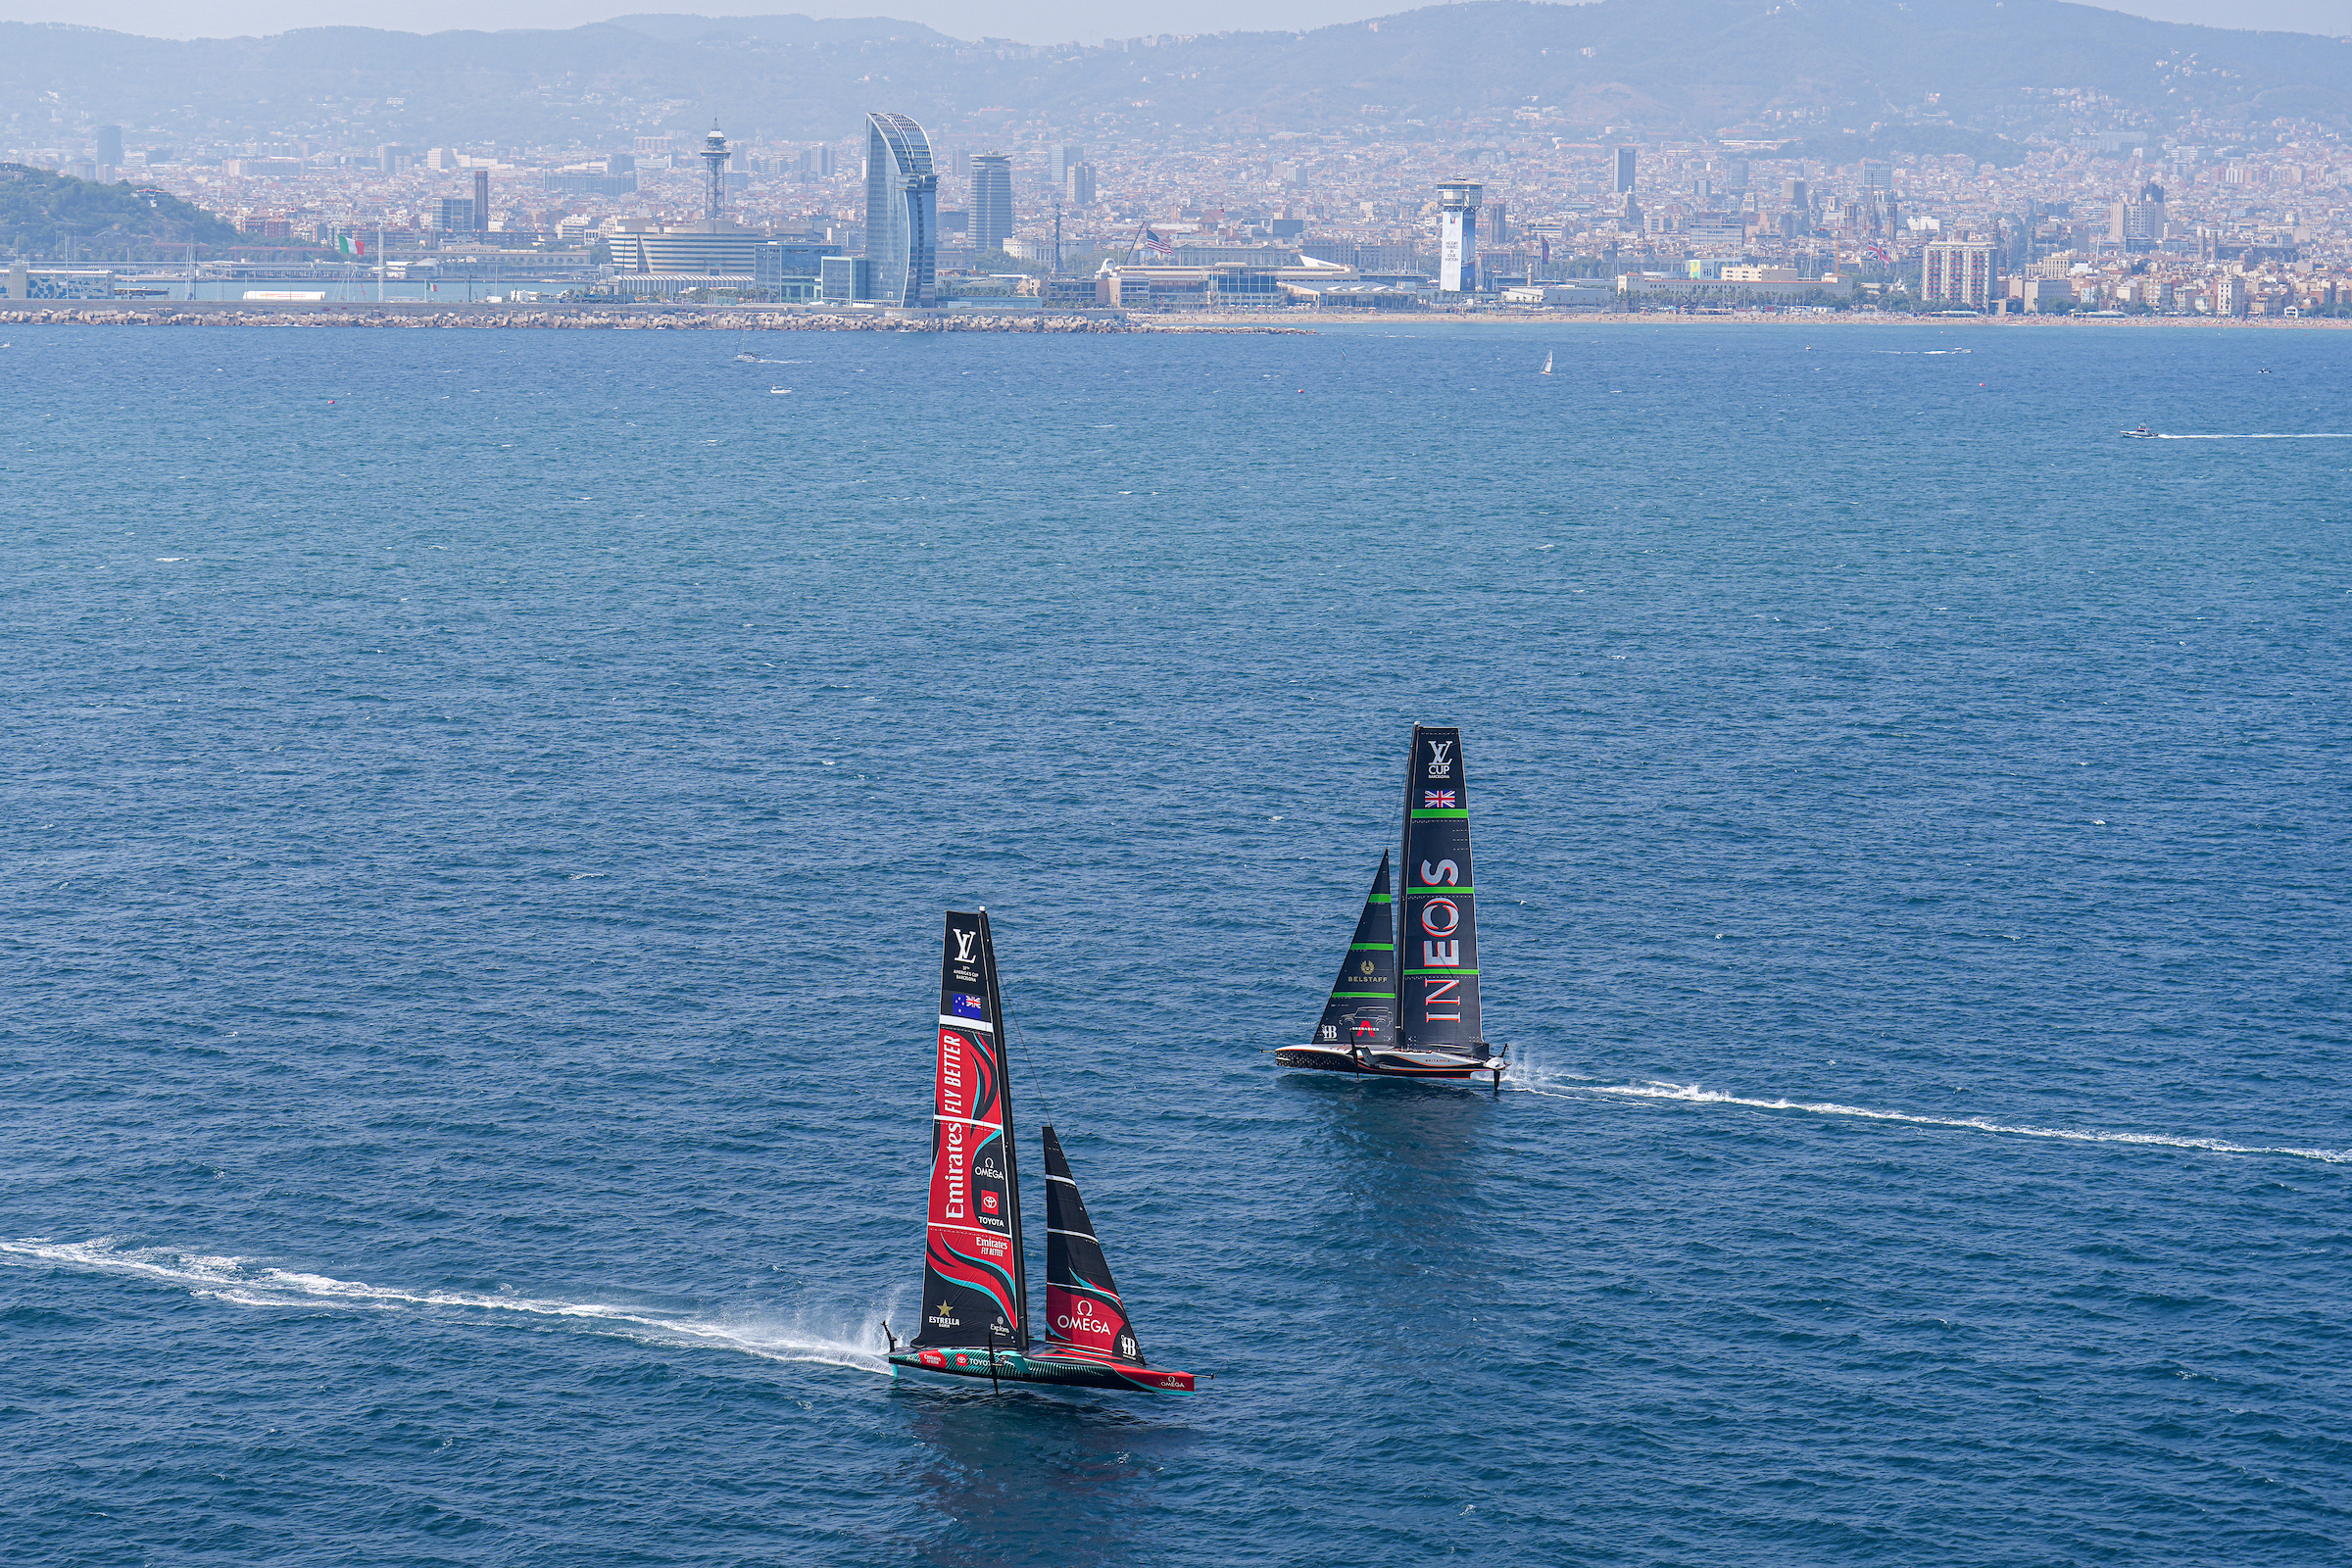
(478, 807)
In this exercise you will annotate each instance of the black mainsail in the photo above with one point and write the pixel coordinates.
(1082, 1303)
(1361, 1013)
(1436, 936)
(975, 1282)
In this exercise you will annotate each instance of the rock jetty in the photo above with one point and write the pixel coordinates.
(591, 319)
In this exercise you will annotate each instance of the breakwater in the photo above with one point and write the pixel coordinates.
(587, 319)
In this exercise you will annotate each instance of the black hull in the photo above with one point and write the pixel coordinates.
(1391, 1064)
(1055, 1369)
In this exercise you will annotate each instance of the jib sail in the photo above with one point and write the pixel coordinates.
(1363, 1009)
(975, 1289)
(1437, 936)
(1082, 1305)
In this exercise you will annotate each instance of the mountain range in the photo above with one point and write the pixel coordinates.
(1763, 69)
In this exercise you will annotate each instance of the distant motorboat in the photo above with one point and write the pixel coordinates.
(747, 356)
(2140, 432)
(777, 391)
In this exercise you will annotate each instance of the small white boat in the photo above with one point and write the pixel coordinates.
(2139, 433)
(1546, 370)
(777, 391)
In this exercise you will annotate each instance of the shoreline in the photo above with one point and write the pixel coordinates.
(1808, 319)
(727, 319)
(585, 318)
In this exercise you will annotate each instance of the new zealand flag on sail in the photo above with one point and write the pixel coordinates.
(967, 1006)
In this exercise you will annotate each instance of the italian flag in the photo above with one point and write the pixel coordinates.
(350, 245)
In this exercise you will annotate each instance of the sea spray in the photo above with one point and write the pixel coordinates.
(247, 1282)
(1557, 1084)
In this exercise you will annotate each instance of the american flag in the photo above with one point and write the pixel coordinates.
(1438, 799)
(1158, 246)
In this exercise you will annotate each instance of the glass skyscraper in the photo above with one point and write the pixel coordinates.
(902, 213)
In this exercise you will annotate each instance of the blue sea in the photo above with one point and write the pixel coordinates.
(478, 807)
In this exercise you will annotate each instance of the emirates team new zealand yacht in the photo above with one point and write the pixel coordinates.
(1430, 1030)
(975, 1312)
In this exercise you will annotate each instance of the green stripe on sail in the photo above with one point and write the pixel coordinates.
(1372, 947)
(1382, 995)
(1378, 897)
(1442, 971)
(1462, 811)
(1415, 893)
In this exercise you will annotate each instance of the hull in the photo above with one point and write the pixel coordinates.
(1392, 1064)
(1062, 1366)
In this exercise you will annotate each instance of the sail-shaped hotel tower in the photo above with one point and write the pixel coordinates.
(902, 214)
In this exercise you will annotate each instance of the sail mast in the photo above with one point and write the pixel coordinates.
(1012, 1162)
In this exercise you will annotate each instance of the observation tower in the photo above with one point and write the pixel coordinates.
(715, 183)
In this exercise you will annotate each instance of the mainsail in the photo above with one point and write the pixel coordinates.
(1438, 936)
(975, 1287)
(1082, 1305)
(1363, 1009)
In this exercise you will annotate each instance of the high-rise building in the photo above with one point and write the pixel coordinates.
(1623, 170)
(902, 214)
(1959, 273)
(1497, 222)
(451, 215)
(1793, 194)
(1457, 235)
(1078, 185)
(481, 198)
(395, 158)
(992, 201)
(1066, 158)
(1877, 174)
(2137, 222)
(110, 146)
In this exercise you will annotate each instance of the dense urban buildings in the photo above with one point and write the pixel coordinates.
(2213, 218)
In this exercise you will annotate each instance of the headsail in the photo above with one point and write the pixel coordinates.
(1363, 1009)
(974, 1280)
(1082, 1305)
(1438, 936)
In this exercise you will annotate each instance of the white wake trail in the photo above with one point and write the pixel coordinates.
(2266, 435)
(1539, 1083)
(244, 1282)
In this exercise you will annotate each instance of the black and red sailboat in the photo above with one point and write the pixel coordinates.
(1407, 1004)
(975, 1312)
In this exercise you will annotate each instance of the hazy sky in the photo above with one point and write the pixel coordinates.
(1031, 21)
